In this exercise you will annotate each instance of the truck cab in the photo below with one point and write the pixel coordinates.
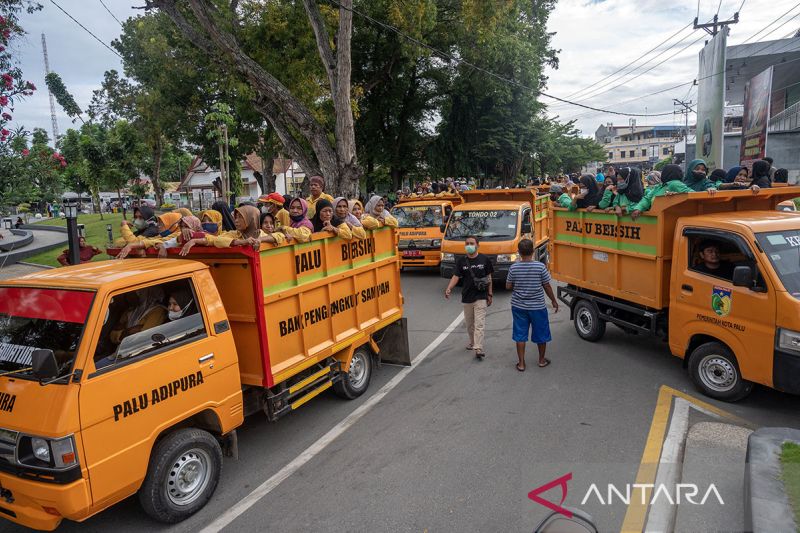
(499, 218)
(420, 234)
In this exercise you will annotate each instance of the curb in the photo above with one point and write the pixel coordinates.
(766, 504)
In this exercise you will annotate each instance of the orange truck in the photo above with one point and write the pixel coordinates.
(419, 228)
(718, 277)
(90, 416)
(499, 218)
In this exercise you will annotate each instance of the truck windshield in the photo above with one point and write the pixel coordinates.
(486, 225)
(783, 250)
(418, 216)
(32, 319)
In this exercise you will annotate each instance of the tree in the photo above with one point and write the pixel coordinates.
(67, 102)
(214, 28)
(12, 85)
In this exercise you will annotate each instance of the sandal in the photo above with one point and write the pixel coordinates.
(545, 363)
(518, 368)
(470, 347)
(480, 355)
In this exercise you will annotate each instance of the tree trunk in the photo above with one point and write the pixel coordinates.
(155, 177)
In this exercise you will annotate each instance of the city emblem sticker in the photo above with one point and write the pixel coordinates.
(721, 300)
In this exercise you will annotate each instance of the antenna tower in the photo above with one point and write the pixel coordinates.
(52, 100)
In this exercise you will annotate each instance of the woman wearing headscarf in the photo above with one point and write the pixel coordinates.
(356, 209)
(316, 185)
(227, 219)
(629, 191)
(671, 183)
(183, 212)
(326, 220)
(608, 188)
(145, 225)
(268, 227)
(342, 211)
(300, 228)
(211, 221)
(717, 176)
(696, 176)
(189, 227)
(761, 178)
(180, 304)
(247, 233)
(376, 215)
(735, 178)
(146, 311)
(589, 193)
(652, 179)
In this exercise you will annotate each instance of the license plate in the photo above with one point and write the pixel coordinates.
(412, 253)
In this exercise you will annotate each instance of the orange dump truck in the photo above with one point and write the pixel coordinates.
(420, 232)
(499, 218)
(718, 277)
(105, 394)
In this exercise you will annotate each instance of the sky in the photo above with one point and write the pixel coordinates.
(595, 38)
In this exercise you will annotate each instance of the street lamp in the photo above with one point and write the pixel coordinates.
(82, 230)
(70, 202)
(7, 223)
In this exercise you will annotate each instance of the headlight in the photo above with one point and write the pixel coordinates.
(789, 340)
(448, 257)
(435, 243)
(46, 453)
(507, 258)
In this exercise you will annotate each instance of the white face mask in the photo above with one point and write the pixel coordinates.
(584, 191)
(175, 315)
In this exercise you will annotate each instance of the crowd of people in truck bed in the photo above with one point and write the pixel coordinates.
(274, 219)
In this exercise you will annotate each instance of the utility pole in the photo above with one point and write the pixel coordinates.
(713, 27)
(685, 109)
(53, 120)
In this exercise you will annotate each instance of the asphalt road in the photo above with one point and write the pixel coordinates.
(459, 443)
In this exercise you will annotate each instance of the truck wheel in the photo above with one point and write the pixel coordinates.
(715, 373)
(588, 324)
(183, 474)
(356, 381)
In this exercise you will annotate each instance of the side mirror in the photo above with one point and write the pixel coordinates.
(743, 276)
(442, 227)
(44, 364)
(526, 227)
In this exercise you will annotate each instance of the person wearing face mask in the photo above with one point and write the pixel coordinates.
(696, 176)
(589, 193)
(180, 304)
(342, 211)
(559, 197)
(376, 215)
(247, 233)
(271, 235)
(211, 221)
(189, 227)
(671, 183)
(145, 225)
(273, 204)
(475, 271)
(628, 191)
(300, 227)
(316, 185)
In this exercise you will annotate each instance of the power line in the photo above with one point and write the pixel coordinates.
(771, 23)
(96, 38)
(120, 23)
(473, 66)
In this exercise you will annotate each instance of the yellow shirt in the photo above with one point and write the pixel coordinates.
(224, 240)
(279, 237)
(302, 234)
(371, 222)
(282, 218)
(358, 232)
(312, 203)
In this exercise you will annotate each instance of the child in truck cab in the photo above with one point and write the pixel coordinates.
(376, 215)
(248, 232)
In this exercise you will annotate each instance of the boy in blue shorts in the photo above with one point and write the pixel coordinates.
(530, 280)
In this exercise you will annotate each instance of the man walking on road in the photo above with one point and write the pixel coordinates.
(530, 280)
(475, 270)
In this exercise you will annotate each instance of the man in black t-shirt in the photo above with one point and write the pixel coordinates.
(475, 271)
(711, 263)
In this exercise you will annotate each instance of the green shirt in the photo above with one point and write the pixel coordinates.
(659, 190)
(613, 200)
(565, 201)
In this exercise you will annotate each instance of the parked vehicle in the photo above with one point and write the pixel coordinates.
(733, 325)
(420, 232)
(95, 406)
(500, 218)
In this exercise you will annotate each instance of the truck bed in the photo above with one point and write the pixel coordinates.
(631, 260)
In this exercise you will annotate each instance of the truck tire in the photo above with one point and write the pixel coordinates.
(588, 324)
(183, 473)
(356, 381)
(715, 373)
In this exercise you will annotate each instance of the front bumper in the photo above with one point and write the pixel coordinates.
(786, 372)
(29, 498)
(428, 258)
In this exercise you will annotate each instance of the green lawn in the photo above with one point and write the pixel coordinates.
(96, 235)
(790, 459)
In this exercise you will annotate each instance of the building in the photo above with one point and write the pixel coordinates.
(198, 183)
(742, 63)
(640, 146)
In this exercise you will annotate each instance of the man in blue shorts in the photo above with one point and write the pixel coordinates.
(530, 280)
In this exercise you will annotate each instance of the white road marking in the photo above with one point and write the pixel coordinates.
(309, 453)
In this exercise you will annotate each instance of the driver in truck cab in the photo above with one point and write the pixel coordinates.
(710, 262)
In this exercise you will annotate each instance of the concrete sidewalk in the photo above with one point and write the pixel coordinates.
(16, 270)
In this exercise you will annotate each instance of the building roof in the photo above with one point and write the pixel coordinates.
(745, 61)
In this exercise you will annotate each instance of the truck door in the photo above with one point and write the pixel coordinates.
(705, 301)
(151, 368)
(526, 228)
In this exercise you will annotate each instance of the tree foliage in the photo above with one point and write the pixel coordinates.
(67, 102)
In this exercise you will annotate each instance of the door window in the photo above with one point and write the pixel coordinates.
(717, 254)
(147, 321)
